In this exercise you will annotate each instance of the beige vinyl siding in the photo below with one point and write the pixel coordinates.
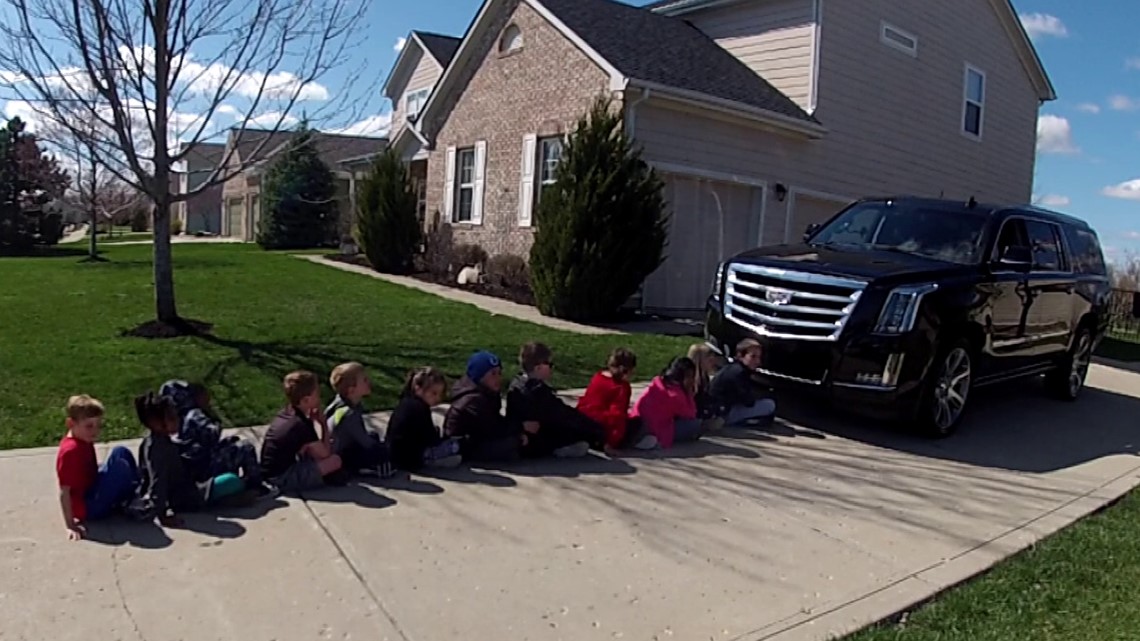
(775, 39)
(424, 76)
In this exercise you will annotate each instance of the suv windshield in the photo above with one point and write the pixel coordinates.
(951, 235)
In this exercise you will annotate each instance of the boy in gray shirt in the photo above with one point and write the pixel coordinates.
(361, 449)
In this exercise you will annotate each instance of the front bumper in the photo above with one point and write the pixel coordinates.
(876, 376)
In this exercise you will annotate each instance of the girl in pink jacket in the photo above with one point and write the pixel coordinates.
(667, 408)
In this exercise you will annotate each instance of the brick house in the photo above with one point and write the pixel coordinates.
(236, 203)
(762, 116)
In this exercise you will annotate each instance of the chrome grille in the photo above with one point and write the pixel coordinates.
(788, 304)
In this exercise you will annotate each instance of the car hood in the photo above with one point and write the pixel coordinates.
(851, 262)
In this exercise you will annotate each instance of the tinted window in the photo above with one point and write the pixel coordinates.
(951, 235)
(1046, 245)
(1086, 254)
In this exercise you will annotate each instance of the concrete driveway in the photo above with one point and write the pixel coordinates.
(811, 528)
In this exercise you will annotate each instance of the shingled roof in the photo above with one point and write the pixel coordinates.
(650, 47)
(441, 47)
(333, 149)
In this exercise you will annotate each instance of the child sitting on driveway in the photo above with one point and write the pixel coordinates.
(737, 394)
(706, 361)
(475, 414)
(412, 436)
(667, 408)
(165, 483)
(607, 401)
(203, 448)
(358, 448)
(293, 457)
(552, 426)
(88, 491)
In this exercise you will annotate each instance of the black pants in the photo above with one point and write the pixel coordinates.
(356, 458)
(551, 437)
(503, 449)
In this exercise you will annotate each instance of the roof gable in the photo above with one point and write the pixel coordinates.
(439, 48)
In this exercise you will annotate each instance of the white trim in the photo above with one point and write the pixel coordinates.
(479, 188)
(426, 91)
(449, 185)
(790, 207)
(966, 100)
(412, 37)
(885, 26)
(526, 180)
(698, 172)
(763, 215)
(706, 104)
(816, 35)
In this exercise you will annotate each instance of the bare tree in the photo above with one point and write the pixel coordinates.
(125, 78)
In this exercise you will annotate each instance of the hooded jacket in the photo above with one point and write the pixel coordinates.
(475, 414)
(199, 433)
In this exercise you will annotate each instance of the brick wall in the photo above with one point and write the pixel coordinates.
(541, 89)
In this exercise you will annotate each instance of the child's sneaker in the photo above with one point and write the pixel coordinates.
(266, 491)
(385, 470)
(576, 450)
(140, 509)
(446, 463)
(647, 442)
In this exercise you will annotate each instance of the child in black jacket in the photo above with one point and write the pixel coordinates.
(552, 426)
(734, 391)
(412, 436)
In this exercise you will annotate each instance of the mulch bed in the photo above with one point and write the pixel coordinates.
(520, 295)
(157, 329)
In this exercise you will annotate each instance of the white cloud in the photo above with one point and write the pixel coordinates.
(272, 120)
(228, 110)
(1042, 25)
(1052, 200)
(373, 126)
(400, 42)
(1089, 108)
(1127, 190)
(1123, 103)
(1055, 135)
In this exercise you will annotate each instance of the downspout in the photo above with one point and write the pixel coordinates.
(630, 129)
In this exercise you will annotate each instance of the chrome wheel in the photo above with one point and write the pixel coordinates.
(952, 389)
(1079, 369)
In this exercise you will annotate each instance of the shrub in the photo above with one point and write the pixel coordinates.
(299, 208)
(139, 220)
(387, 228)
(175, 226)
(509, 271)
(468, 255)
(51, 229)
(601, 229)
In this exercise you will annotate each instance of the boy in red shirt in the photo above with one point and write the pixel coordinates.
(88, 492)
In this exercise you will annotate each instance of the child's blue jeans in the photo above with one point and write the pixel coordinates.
(114, 485)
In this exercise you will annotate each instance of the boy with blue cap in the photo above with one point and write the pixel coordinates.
(475, 415)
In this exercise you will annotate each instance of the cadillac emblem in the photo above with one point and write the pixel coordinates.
(778, 296)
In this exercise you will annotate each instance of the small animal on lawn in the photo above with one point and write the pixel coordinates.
(471, 275)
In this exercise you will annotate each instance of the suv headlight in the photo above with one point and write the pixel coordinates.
(901, 309)
(718, 281)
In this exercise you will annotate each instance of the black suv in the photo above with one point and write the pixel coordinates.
(897, 308)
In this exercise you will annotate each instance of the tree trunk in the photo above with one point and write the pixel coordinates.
(163, 263)
(93, 251)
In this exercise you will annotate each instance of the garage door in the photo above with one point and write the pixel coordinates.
(807, 210)
(709, 221)
(235, 212)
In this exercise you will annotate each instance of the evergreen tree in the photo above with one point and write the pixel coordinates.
(387, 228)
(28, 180)
(602, 227)
(298, 193)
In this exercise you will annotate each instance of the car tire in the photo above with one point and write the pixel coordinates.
(946, 394)
(1066, 382)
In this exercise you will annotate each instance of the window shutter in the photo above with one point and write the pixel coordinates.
(480, 182)
(449, 187)
(526, 181)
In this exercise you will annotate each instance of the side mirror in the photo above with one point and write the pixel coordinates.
(810, 231)
(1017, 257)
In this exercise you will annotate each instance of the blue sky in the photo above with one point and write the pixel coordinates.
(1088, 139)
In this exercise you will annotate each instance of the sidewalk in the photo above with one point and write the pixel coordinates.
(808, 529)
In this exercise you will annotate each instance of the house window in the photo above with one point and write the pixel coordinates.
(511, 40)
(414, 103)
(896, 38)
(549, 157)
(464, 184)
(974, 102)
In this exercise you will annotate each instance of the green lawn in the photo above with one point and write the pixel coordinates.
(1078, 585)
(272, 313)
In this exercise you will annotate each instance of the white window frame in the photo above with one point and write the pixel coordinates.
(885, 27)
(967, 101)
(543, 183)
(460, 186)
(420, 96)
(511, 45)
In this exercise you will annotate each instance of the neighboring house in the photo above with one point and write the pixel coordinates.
(762, 116)
(349, 158)
(202, 212)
